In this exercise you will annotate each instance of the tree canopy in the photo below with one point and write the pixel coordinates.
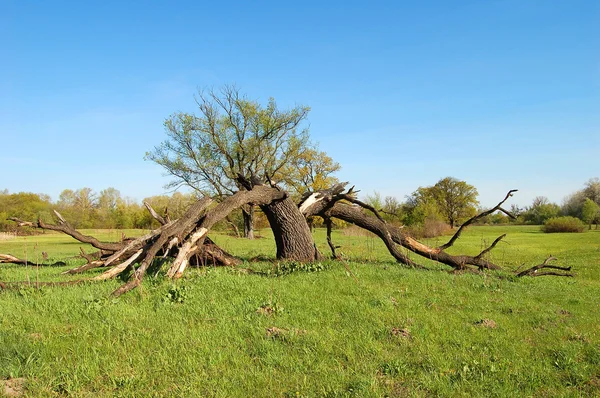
(450, 198)
(231, 136)
(590, 212)
(233, 139)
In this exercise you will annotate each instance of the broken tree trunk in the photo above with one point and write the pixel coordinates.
(186, 239)
(163, 241)
(248, 216)
(335, 203)
(292, 234)
(293, 237)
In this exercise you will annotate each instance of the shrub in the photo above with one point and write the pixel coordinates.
(430, 228)
(563, 224)
(353, 230)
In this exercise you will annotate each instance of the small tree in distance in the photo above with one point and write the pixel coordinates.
(540, 210)
(590, 212)
(451, 198)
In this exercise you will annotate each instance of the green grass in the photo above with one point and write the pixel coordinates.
(381, 330)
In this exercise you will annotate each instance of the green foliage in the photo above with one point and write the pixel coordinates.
(176, 295)
(449, 199)
(176, 205)
(83, 208)
(23, 205)
(573, 204)
(418, 209)
(540, 211)
(590, 212)
(563, 224)
(290, 267)
(233, 136)
(499, 218)
(310, 170)
(389, 207)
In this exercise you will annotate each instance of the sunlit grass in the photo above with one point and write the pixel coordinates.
(377, 330)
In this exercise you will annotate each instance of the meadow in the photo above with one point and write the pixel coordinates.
(364, 327)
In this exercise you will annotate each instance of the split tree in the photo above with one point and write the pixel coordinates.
(185, 240)
(232, 139)
(238, 154)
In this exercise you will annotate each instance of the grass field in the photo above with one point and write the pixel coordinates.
(379, 330)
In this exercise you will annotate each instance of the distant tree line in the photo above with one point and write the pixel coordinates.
(84, 208)
(428, 211)
(451, 202)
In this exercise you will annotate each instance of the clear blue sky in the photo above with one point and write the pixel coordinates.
(502, 94)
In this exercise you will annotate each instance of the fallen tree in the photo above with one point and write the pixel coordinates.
(185, 240)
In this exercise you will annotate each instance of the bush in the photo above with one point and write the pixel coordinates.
(563, 224)
(353, 230)
(431, 228)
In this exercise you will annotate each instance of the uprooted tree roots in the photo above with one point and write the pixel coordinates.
(185, 240)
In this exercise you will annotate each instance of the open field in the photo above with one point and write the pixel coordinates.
(378, 330)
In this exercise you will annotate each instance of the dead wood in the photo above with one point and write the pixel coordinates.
(329, 225)
(10, 259)
(162, 220)
(186, 239)
(164, 240)
(192, 228)
(212, 255)
(477, 217)
(64, 227)
(334, 203)
(535, 270)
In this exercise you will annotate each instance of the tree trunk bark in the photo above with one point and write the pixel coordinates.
(248, 221)
(292, 234)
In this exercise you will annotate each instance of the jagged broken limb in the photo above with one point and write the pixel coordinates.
(118, 257)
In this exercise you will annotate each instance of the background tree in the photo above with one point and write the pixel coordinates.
(592, 190)
(573, 204)
(23, 205)
(419, 207)
(80, 206)
(107, 202)
(175, 205)
(451, 198)
(231, 139)
(590, 212)
(311, 170)
(456, 199)
(389, 207)
(540, 210)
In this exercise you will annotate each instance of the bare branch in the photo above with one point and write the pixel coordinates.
(10, 259)
(534, 271)
(478, 216)
(491, 247)
(154, 214)
(329, 224)
(66, 228)
(351, 199)
(111, 273)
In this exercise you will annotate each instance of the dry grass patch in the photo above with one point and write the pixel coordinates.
(13, 387)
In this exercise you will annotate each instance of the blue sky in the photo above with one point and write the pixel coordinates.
(502, 94)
